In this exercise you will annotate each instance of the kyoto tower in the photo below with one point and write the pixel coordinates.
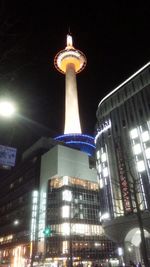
(70, 61)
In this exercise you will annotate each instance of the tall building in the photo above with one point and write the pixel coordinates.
(50, 204)
(18, 206)
(123, 161)
(69, 62)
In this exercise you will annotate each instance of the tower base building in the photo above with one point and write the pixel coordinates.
(50, 210)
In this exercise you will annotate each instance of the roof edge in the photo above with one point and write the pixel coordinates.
(127, 80)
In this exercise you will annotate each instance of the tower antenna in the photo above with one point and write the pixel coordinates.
(69, 32)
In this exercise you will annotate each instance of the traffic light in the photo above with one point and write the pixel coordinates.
(47, 232)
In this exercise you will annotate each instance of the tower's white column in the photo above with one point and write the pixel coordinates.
(72, 118)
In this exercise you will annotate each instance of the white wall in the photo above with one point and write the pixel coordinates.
(62, 160)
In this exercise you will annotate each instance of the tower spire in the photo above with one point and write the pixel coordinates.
(69, 41)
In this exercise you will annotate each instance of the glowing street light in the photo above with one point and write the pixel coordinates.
(7, 109)
(16, 222)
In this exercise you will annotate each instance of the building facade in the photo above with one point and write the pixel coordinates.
(18, 194)
(55, 187)
(123, 160)
(73, 208)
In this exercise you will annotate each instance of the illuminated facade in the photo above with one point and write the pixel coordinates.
(123, 157)
(18, 212)
(55, 186)
(69, 180)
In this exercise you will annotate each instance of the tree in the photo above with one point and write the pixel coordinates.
(132, 192)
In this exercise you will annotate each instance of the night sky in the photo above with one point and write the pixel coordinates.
(114, 37)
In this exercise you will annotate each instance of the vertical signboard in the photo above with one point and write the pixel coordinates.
(7, 156)
(123, 178)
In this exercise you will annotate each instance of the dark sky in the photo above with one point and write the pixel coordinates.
(114, 37)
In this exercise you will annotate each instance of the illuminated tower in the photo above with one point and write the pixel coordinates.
(70, 61)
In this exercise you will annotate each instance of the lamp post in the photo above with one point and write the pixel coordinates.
(70, 240)
(70, 248)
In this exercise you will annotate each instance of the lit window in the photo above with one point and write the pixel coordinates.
(79, 228)
(101, 184)
(140, 166)
(81, 216)
(145, 136)
(103, 157)
(134, 133)
(105, 172)
(35, 193)
(65, 247)
(34, 207)
(137, 149)
(65, 211)
(35, 200)
(34, 214)
(98, 154)
(99, 168)
(120, 251)
(65, 229)
(65, 180)
(67, 195)
(147, 152)
(105, 216)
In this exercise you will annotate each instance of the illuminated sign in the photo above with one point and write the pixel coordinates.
(7, 155)
(123, 179)
(104, 127)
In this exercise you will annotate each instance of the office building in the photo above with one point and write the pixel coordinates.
(123, 161)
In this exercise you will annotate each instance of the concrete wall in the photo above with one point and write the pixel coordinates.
(61, 161)
(74, 163)
(118, 228)
(49, 166)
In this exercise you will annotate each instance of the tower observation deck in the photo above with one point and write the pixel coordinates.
(70, 61)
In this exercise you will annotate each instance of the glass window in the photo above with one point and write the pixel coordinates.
(65, 211)
(103, 157)
(145, 136)
(147, 152)
(67, 195)
(134, 133)
(105, 172)
(137, 149)
(140, 166)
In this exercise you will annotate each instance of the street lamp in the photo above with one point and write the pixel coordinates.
(7, 108)
(16, 222)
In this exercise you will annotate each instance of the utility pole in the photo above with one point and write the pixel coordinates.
(32, 253)
(70, 242)
(70, 250)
